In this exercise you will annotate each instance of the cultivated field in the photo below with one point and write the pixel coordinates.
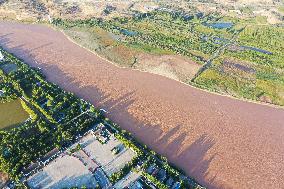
(220, 141)
(12, 114)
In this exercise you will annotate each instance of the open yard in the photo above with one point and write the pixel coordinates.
(12, 114)
(103, 155)
(87, 166)
(64, 172)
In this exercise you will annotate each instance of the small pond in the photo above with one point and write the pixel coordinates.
(128, 32)
(257, 50)
(219, 25)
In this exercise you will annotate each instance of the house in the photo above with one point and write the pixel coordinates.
(136, 185)
(2, 93)
(170, 182)
(1, 56)
(176, 185)
(162, 175)
(30, 169)
(151, 169)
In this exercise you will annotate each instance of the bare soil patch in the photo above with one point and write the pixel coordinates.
(3, 179)
(239, 69)
(163, 63)
(172, 66)
(222, 142)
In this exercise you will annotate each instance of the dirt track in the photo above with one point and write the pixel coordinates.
(222, 142)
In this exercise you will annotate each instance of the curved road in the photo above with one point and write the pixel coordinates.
(220, 141)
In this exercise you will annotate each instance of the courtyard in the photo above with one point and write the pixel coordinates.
(64, 172)
(103, 153)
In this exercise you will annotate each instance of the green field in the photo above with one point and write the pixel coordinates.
(246, 54)
(12, 114)
(255, 72)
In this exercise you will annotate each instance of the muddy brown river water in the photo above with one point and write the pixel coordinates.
(220, 141)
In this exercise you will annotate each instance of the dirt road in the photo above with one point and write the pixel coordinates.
(220, 141)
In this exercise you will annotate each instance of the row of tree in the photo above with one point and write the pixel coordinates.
(21, 146)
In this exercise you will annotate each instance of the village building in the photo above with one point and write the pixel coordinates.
(1, 56)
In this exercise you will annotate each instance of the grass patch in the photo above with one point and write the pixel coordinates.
(148, 49)
(263, 84)
(12, 114)
(281, 9)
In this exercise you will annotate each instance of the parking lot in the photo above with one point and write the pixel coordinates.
(63, 172)
(88, 166)
(103, 155)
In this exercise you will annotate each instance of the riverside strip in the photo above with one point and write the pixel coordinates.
(67, 142)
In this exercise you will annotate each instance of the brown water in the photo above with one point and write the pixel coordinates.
(222, 142)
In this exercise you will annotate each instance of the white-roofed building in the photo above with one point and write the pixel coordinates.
(1, 56)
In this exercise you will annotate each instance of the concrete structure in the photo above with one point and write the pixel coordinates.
(1, 56)
(63, 172)
(2, 93)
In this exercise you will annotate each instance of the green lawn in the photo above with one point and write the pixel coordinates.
(12, 114)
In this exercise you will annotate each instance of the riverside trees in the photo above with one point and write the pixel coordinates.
(51, 110)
